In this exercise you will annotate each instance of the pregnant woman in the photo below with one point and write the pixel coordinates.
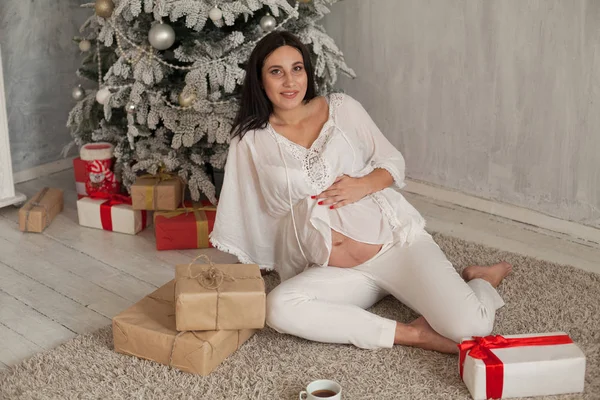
(311, 190)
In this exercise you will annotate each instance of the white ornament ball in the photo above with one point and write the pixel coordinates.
(103, 95)
(161, 36)
(268, 23)
(85, 45)
(131, 108)
(215, 14)
(78, 93)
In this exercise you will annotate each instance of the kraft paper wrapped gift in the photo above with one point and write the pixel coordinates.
(112, 213)
(184, 228)
(521, 365)
(147, 330)
(221, 296)
(40, 210)
(157, 192)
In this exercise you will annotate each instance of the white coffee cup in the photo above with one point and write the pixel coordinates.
(323, 384)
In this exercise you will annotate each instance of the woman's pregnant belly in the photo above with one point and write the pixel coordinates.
(347, 252)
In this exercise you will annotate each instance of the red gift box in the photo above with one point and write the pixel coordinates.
(80, 170)
(185, 228)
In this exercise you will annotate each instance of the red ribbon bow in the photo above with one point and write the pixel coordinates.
(112, 199)
(494, 368)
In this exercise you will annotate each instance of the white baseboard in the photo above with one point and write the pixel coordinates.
(43, 170)
(515, 213)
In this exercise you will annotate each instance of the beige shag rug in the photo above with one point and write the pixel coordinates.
(540, 297)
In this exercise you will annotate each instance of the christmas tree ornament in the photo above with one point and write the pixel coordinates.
(103, 95)
(131, 108)
(104, 8)
(85, 45)
(161, 36)
(215, 14)
(186, 99)
(268, 23)
(78, 93)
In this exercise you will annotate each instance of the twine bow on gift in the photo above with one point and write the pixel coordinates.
(37, 203)
(481, 348)
(211, 278)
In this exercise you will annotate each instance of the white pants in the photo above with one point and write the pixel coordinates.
(327, 304)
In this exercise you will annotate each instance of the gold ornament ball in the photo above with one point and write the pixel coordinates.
(85, 45)
(104, 8)
(186, 100)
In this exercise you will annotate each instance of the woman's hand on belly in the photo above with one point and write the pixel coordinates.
(347, 252)
(345, 190)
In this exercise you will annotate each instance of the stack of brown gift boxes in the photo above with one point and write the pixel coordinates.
(196, 321)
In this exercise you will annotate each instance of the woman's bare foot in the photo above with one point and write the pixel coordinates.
(494, 274)
(420, 334)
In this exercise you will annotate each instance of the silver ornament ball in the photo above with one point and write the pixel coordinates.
(161, 36)
(103, 95)
(78, 93)
(268, 23)
(131, 108)
(85, 45)
(215, 14)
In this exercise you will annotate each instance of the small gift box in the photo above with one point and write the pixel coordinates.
(521, 365)
(147, 330)
(184, 228)
(81, 176)
(40, 210)
(111, 212)
(157, 192)
(223, 296)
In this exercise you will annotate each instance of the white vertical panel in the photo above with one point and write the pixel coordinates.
(7, 188)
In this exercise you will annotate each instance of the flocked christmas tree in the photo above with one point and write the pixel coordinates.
(168, 75)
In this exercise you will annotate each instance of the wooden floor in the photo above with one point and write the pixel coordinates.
(71, 280)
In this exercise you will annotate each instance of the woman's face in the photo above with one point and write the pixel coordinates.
(284, 78)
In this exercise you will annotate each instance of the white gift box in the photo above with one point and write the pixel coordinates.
(123, 218)
(527, 370)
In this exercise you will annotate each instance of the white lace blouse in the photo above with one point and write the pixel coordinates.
(265, 214)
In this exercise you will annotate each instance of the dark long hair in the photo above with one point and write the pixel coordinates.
(255, 106)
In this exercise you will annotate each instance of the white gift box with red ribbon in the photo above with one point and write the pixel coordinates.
(521, 365)
(112, 213)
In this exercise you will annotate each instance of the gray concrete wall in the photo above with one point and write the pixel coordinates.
(498, 99)
(39, 60)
